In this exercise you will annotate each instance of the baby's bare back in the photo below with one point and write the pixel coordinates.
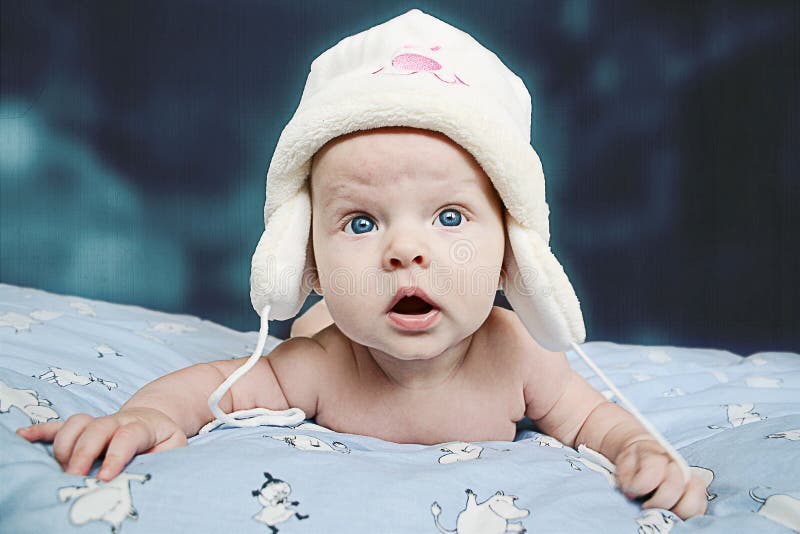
(481, 401)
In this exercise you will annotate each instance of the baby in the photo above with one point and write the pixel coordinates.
(410, 238)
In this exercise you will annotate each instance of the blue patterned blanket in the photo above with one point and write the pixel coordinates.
(735, 419)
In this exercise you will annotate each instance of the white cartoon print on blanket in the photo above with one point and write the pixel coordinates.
(305, 425)
(110, 502)
(594, 461)
(658, 356)
(460, 451)
(707, 476)
(655, 522)
(276, 509)
(28, 401)
(166, 328)
(65, 377)
(548, 441)
(17, 321)
(740, 414)
(576, 461)
(493, 516)
(106, 350)
(781, 508)
(21, 322)
(763, 382)
(172, 328)
(791, 435)
(310, 443)
(83, 307)
(45, 315)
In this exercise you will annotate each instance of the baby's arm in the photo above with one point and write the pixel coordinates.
(166, 411)
(565, 406)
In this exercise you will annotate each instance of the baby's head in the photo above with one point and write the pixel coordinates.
(400, 208)
(394, 120)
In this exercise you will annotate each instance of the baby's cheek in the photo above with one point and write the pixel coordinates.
(480, 286)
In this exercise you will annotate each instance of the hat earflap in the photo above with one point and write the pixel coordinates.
(282, 272)
(539, 291)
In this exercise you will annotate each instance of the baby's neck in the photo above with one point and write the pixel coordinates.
(426, 373)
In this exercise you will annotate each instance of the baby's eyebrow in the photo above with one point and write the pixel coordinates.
(335, 201)
(345, 192)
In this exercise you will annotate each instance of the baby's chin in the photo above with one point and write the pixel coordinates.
(403, 346)
(413, 350)
(416, 346)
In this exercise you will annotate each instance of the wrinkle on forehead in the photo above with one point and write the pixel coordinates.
(372, 170)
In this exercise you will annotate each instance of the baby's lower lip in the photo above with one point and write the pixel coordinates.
(414, 322)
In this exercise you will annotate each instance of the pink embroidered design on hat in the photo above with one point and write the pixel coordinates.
(406, 62)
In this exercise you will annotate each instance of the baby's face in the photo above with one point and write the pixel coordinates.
(396, 211)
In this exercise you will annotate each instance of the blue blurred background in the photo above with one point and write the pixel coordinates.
(135, 137)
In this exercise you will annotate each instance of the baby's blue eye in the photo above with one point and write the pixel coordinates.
(450, 217)
(360, 224)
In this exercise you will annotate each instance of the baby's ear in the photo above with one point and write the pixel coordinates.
(311, 275)
(506, 260)
(315, 283)
(311, 278)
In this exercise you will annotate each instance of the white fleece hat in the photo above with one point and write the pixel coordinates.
(418, 71)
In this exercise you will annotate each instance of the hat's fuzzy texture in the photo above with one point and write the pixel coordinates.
(420, 72)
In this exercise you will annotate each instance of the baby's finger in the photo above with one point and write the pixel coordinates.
(626, 467)
(177, 439)
(40, 432)
(128, 440)
(693, 501)
(90, 445)
(670, 490)
(64, 440)
(652, 471)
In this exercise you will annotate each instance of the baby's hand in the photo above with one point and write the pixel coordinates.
(645, 469)
(79, 440)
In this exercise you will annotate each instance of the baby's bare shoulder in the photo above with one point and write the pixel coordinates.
(328, 355)
(333, 343)
(307, 367)
(504, 329)
(499, 344)
(544, 373)
(505, 336)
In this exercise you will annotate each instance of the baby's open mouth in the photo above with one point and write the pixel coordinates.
(412, 306)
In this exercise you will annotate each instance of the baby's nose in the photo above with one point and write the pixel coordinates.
(404, 253)
(396, 262)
